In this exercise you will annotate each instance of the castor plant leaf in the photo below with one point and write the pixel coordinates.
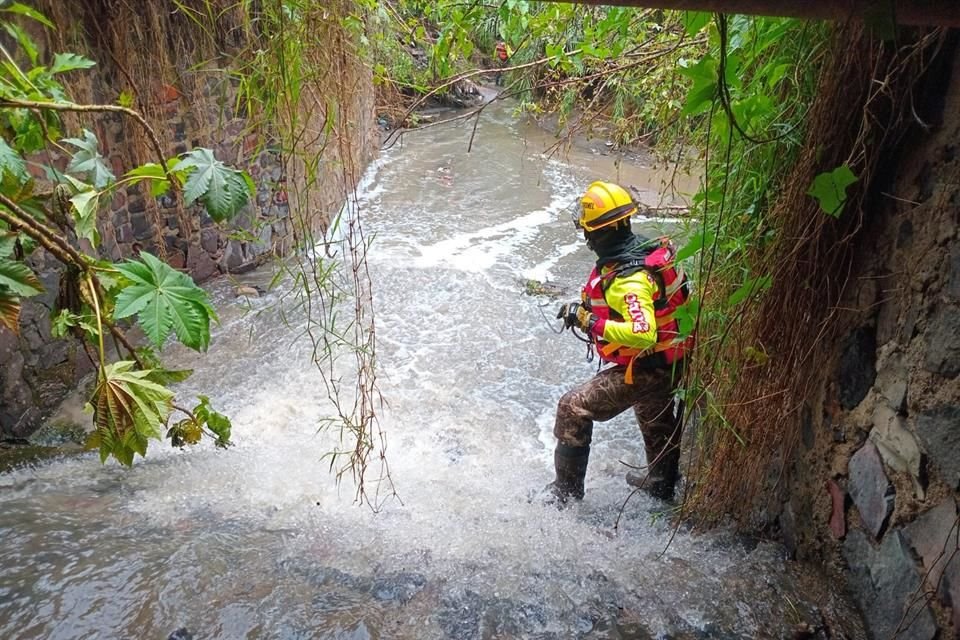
(88, 160)
(164, 301)
(19, 279)
(222, 191)
(9, 310)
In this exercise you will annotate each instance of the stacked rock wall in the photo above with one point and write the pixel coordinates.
(875, 486)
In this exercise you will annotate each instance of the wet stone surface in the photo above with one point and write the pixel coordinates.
(870, 488)
(885, 579)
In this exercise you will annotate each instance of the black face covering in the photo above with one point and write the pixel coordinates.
(617, 245)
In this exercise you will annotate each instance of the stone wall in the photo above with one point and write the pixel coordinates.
(191, 108)
(875, 487)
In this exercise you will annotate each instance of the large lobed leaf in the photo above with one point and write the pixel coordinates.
(222, 190)
(129, 409)
(11, 164)
(18, 278)
(85, 206)
(89, 161)
(9, 310)
(165, 300)
(63, 62)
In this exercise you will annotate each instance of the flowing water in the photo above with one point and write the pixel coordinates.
(259, 542)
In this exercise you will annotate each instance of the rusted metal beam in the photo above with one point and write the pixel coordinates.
(944, 13)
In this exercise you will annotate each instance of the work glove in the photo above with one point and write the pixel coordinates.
(574, 314)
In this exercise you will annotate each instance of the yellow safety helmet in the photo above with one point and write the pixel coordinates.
(603, 204)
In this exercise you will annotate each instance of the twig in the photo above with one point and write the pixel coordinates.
(98, 108)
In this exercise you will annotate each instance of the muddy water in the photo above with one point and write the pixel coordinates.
(260, 542)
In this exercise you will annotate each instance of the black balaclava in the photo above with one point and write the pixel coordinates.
(617, 244)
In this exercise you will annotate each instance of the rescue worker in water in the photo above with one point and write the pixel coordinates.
(502, 52)
(626, 309)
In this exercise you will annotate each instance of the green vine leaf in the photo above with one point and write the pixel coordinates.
(830, 189)
(704, 88)
(11, 164)
(749, 288)
(165, 300)
(222, 190)
(190, 429)
(89, 161)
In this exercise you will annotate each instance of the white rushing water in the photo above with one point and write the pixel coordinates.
(260, 542)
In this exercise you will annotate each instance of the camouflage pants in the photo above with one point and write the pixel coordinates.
(607, 395)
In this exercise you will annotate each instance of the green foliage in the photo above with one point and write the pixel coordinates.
(63, 322)
(830, 189)
(88, 161)
(191, 429)
(132, 402)
(165, 301)
(12, 165)
(16, 281)
(615, 65)
(746, 111)
(63, 62)
(222, 190)
(18, 278)
(128, 410)
(26, 10)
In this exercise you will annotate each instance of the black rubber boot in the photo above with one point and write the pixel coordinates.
(660, 478)
(570, 464)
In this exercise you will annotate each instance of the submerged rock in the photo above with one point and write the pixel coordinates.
(249, 291)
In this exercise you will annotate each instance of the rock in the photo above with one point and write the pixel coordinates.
(807, 434)
(181, 634)
(892, 377)
(249, 292)
(934, 536)
(210, 239)
(884, 580)
(200, 265)
(54, 353)
(897, 446)
(125, 233)
(871, 489)
(232, 255)
(943, 341)
(788, 529)
(142, 228)
(939, 431)
(857, 370)
(953, 279)
(838, 523)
